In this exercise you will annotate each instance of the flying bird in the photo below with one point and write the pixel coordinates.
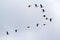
(36, 5)
(15, 30)
(29, 5)
(50, 19)
(43, 10)
(44, 15)
(7, 33)
(41, 6)
(28, 27)
(44, 24)
(46, 18)
(37, 25)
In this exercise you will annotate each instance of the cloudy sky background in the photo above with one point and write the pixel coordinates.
(15, 14)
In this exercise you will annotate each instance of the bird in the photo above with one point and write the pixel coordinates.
(7, 33)
(44, 15)
(36, 5)
(41, 6)
(28, 27)
(37, 25)
(29, 5)
(43, 10)
(50, 19)
(44, 24)
(46, 18)
(15, 30)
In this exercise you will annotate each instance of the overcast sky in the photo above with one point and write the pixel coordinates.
(15, 14)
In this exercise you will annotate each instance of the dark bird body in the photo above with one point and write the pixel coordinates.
(28, 27)
(50, 19)
(37, 25)
(36, 5)
(15, 30)
(46, 18)
(41, 6)
(7, 33)
(44, 15)
(29, 5)
(43, 10)
(44, 24)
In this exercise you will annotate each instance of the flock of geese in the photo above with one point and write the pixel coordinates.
(43, 10)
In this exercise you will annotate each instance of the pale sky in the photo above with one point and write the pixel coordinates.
(15, 14)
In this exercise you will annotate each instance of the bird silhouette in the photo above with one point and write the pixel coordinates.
(50, 19)
(43, 10)
(7, 33)
(29, 5)
(15, 30)
(44, 24)
(36, 5)
(46, 18)
(44, 15)
(37, 25)
(28, 27)
(41, 6)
